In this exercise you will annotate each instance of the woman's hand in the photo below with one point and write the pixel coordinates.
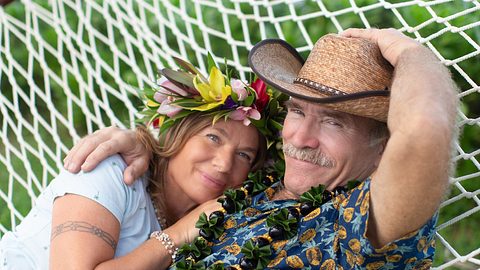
(184, 231)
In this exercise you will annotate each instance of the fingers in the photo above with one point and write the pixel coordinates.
(90, 150)
(392, 43)
(67, 161)
(370, 34)
(94, 148)
(136, 169)
(94, 152)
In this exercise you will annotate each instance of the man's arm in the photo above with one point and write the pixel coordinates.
(92, 149)
(412, 176)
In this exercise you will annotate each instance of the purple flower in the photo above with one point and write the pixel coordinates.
(229, 104)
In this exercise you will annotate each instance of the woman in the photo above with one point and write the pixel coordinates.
(206, 144)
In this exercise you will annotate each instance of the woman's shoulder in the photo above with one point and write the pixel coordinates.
(104, 184)
(108, 171)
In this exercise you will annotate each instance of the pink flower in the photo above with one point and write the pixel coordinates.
(167, 109)
(165, 95)
(159, 96)
(245, 114)
(262, 97)
(167, 88)
(239, 88)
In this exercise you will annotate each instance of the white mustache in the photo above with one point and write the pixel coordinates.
(309, 155)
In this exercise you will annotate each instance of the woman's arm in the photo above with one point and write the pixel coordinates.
(84, 236)
(84, 233)
(152, 254)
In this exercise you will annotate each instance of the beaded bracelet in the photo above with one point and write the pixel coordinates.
(166, 242)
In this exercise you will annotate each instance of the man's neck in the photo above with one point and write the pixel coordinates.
(283, 194)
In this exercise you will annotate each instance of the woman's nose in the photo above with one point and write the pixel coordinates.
(223, 160)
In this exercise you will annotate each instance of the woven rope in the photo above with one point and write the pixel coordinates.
(70, 67)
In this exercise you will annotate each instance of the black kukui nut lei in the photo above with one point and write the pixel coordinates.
(240, 194)
(293, 212)
(217, 214)
(261, 241)
(248, 186)
(306, 208)
(276, 232)
(229, 205)
(206, 234)
(318, 196)
(247, 264)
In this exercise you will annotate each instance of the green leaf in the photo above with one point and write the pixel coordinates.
(281, 219)
(256, 253)
(275, 124)
(179, 78)
(218, 116)
(314, 195)
(189, 67)
(186, 264)
(148, 93)
(248, 101)
(202, 221)
(211, 62)
(234, 96)
(216, 266)
(352, 184)
(188, 103)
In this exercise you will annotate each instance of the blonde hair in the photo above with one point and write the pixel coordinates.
(171, 143)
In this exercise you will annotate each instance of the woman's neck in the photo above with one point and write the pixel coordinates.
(176, 202)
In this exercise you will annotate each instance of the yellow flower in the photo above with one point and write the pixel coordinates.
(151, 103)
(215, 92)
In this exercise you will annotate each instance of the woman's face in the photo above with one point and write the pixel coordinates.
(218, 157)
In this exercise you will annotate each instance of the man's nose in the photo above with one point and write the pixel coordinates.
(305, 135)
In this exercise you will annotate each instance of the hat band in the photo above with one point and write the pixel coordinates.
(318, 86)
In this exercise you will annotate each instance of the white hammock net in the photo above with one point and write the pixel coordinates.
(68, 68)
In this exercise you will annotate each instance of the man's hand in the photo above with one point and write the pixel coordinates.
(392, 43)
(106, 142)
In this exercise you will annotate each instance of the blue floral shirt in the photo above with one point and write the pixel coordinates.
(331, 237)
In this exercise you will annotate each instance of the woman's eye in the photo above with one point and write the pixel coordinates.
(213, 138)
(245, 156)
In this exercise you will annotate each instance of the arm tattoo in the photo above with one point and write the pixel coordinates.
(81, 226)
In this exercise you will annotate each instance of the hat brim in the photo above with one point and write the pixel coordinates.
(277, 63)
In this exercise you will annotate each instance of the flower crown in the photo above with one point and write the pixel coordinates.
(180, 93)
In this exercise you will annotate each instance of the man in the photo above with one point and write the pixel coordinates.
(332, 134)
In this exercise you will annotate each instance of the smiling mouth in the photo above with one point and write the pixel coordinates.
(325, 163)
(213, 182)
(303, 162)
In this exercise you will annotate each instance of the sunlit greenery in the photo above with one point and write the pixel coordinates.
(450, 44)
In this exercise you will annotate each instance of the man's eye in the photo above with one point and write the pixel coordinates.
(333, 123)
(295, 111)
(213, 138)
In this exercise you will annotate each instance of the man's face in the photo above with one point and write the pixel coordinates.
(324, 146)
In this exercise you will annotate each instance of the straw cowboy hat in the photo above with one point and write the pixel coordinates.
(345, 74)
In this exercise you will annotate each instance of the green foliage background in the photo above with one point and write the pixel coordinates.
(462, 235)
